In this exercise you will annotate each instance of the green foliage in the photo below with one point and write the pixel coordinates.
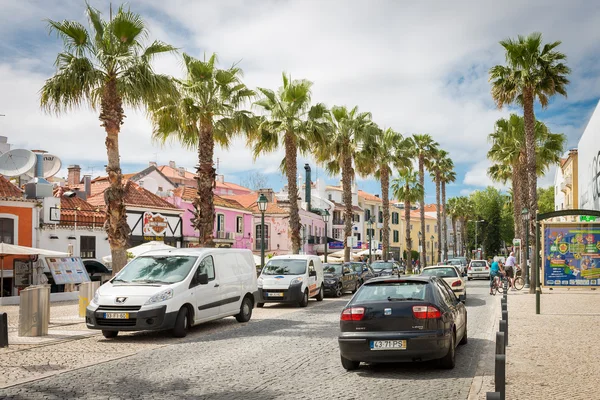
(488, 205)
(414, 255)
(545, 199)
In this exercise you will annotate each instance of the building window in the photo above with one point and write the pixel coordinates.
(396, 236)
(427, 228)
(220, 223)
(356, 218)
(239, 225)
(87, 246)
(7, 230)
(380, 216)
(330, 197)
(411, 227)
(357, 235)
(259, 236)
(367, 214)
(381, 235)
(395, 218)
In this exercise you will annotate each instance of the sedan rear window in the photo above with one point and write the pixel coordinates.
(388, 291)
(477, 263)
(446, 272)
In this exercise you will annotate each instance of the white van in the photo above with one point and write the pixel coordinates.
(291, 279)
(175, 289)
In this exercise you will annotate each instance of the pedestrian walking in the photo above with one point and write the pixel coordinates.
(509, 268)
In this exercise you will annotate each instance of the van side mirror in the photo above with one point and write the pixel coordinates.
(203, 279)
(312, 273)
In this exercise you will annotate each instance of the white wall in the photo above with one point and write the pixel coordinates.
(63, 241)
(589, 164)
(559, 195)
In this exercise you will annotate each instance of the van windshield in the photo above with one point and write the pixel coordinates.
(165, 270)
(285, 267)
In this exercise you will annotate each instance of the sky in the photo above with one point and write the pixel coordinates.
(418, 67)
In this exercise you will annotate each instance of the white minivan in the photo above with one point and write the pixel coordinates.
(291, 279)
(175, 289)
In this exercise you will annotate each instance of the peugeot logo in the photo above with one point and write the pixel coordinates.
(120, 300)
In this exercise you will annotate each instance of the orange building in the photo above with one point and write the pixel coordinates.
(17, 219)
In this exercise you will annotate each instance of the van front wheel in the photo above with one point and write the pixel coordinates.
(304, 301)
(321, 294)
(245, 310)
(181, 323)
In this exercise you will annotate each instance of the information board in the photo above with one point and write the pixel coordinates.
(571, 254)
(66, 270)
(23, 272)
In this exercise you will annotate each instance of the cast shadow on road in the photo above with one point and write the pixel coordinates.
(475, 302)
(129, 387)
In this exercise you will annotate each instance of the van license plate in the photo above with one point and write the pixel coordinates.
(388, 345)
(271, 294)
(116, 315)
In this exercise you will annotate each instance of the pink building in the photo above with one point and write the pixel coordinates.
(233, 222)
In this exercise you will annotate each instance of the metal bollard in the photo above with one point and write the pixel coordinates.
(500, 375)
(3, 330)
(504, 329)
(500, 347)
(504, 306)
(493, 396)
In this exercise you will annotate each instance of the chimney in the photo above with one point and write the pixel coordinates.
(269, 194)
(74, 177)
(87, 185)
(377, 195)
(307, 187)
(152, 164)
(221, 178)
(172, 164)
(181, 171)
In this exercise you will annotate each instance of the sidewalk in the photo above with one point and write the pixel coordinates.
(553, 355)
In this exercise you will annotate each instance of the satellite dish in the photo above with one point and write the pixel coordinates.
(51, 166)
(16, 162)
(150, 184)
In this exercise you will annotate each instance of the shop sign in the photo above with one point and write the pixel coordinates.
(154, 224)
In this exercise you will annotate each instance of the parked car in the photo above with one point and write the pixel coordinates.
(363, 270)
(291, 279)
(410, 318)
(452, 276)
(175, 289)
(460, 263)
(339, 278)
(383, 268)
(478, 269)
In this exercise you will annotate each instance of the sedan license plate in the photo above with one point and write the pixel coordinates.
(116, 315)
(277, 294)
(388, 344)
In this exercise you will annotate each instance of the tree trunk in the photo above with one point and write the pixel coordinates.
(445, 225)
(408, 236)
(439, 217)
(116, 226)
(423, 248)
(463, 234)
(292, 173)
(385, 187)
(529, 119)
(455, 238)
(347, 178)
(204, 215)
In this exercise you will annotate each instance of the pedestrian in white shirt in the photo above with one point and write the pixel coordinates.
(509, 268)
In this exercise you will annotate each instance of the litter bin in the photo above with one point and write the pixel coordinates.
(34, 311)
(86, 294)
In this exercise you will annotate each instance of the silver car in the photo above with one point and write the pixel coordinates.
(478, 269)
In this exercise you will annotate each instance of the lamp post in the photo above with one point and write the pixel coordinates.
(432, 239)
(476, 230)
(420, 247)
(262, 206)
(525, 216)
(370, 229)
(325, 216)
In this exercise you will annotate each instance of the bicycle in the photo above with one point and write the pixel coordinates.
(519, 282)
(498, 284)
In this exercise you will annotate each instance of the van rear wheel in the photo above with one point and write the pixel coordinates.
(181, 323)
(245, 310)
(304, 301)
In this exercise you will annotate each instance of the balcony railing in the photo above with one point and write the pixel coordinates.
(338, 222)
(569, 181)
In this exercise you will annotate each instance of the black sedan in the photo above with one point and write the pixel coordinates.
(391, 319)
(383, 268)
(362, 269)
(339, 279)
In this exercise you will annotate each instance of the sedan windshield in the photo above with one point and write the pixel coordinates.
(444, 272)
(332, 268)
(383, 265)
(285, 267)
(392, 291)
(168, 269)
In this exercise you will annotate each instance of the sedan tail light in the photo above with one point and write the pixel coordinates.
(426, 312)
(456, 283)
(353, 314)
(486, 267)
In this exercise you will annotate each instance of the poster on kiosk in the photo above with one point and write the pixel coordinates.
(66, 270)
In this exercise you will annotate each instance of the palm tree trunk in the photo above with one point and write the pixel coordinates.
(116, 226)
(408, 237)
(455, 237)
(529, 119)
(347, 174)
(292, 172)
(463, 234)
(422, 211)
(385, 187)
(439, 217)
(444, 226)
(518, 188)
(204, 215)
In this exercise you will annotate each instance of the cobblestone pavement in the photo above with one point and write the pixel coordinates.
(283, 353)
(553, 355)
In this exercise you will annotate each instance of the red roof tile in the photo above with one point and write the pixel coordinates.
(369, 196)
(232, 186)
(189, 194)
(135, 196)
(8, 190)
(75, 209)
(246, 200)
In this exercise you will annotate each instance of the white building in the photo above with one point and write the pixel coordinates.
(589, 164)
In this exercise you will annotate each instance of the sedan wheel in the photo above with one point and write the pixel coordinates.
(349, 365)
(339, 291)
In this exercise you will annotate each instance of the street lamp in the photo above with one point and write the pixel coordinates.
(525, 216)
(432, 238)
(370, 232)
(325, 216)
(262, 206)
(476, 226)
(420, 245)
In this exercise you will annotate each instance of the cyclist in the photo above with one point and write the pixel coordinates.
(495, 270)
(511, 265)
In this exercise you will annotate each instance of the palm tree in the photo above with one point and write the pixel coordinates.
(464, 209)
(454, 215)
(298, 125)
(348, 130)
(382, 147)
(425, 148)
(408, 188)
(447, 176)
(106, 67)
(437, 165)
(206, 110)
(533, 71)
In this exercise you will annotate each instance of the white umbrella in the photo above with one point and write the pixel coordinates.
(149, 246)
(339, 253)
(331, 259)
